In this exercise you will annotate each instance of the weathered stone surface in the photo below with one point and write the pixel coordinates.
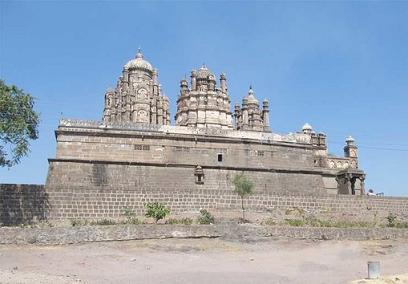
(27, 203)
(70, 235)
(21, 203)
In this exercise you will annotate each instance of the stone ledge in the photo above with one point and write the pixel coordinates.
(71, 235)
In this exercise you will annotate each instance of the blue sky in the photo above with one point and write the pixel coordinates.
(340, 66)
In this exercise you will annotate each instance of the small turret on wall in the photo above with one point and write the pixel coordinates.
(351, 180)
(350, 152)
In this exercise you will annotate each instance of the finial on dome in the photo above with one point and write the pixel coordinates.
(139, 53)
(251, 91)
(203, 67)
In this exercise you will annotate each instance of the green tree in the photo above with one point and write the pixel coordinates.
(18, 124)
(243, 187)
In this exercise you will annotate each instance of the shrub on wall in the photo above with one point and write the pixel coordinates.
(205, 217)
(156, 210)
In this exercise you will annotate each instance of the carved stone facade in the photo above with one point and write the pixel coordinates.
(250, 116)
(204, 104)
(138, 96)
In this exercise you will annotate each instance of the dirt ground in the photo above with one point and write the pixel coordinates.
(202, 261)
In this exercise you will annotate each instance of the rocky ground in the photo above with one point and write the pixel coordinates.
(204, 261)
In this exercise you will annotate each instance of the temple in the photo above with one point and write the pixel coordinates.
(134, 148)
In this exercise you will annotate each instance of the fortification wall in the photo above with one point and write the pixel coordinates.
(157, 177)
(26, 203)
(98, 190)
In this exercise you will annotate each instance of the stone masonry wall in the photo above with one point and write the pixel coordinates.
(178, 149)
(22, 203)
(122, 176)
(96, 191)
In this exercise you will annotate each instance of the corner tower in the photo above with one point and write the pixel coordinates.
(203, 104)
(137, 96)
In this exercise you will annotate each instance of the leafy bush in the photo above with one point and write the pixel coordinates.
(394, 223)
(156, 210)
(183, 221)
(392, 220)
(205, 217)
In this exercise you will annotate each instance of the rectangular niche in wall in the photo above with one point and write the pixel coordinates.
(199, 175)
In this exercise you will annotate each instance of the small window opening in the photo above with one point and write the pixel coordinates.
(220, 157)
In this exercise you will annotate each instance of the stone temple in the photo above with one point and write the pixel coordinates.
(134, 148)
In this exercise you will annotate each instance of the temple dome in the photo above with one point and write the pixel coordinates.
(204, 72)
(307, 126)
(250, 98)
(349, 139)
(139, 63)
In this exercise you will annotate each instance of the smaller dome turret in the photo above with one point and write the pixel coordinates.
(250, 98)
(307, 128)
(349, 139)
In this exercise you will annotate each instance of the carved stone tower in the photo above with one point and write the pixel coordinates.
(137, 96)
(204, 105)
(350, 152)
(250, 116)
